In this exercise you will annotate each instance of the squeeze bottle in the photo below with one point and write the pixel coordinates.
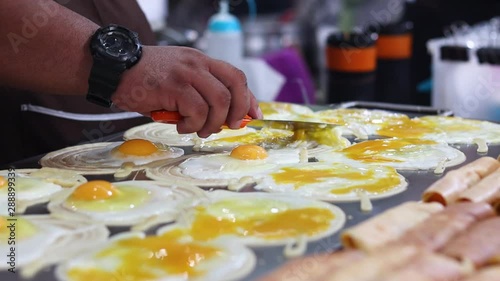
(224, 37)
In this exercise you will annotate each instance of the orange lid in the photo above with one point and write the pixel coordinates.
(394, 46)
(351, 59)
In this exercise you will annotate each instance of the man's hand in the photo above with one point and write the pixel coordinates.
(206, 92)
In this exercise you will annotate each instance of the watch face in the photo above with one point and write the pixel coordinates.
(118, 44)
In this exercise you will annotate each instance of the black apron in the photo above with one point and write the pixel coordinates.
(28, 125)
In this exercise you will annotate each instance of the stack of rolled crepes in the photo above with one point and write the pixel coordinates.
(454, 234)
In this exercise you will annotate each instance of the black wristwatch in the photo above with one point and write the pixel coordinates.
(114, 49)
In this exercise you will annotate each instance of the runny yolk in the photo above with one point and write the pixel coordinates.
(249, 152)
(366, 180)
(408, 129)
(3, 182)
(94, 190)
(150, 258)
(272, 225)
(369, 151)
(3, 224)
(137, 147)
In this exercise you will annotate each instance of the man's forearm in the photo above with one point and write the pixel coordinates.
(44, 47)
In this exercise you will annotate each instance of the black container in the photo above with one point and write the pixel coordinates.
(394, 52)
(351, 66)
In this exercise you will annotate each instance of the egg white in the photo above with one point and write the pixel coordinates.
(265, 137)
(223, 166)
(466, 130)
(51, 242)
(322, 190)
(359, 121)
(411, 157)
(28, 190)
(283, 110)
(162, 133)
(233, 261)
(102, 158)
(160, 205)
(248, 205)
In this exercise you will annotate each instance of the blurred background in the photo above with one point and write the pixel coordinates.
(439, 53)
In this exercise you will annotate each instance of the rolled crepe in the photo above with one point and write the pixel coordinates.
(490, 273)
(427, 266)
(485, 190)
(448, 189)
(480, 244)
(314, 267)
(387, 226)
(437, 230)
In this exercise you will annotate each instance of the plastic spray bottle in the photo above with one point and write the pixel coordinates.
(224, 36)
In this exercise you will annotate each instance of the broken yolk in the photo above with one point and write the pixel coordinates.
(150, 258)
(137, 147)
(370, 182)
(249, 152)
(3, 224)
(3, 182)
(94, 190)
(408, 129)
(368, 151)
(273, 224)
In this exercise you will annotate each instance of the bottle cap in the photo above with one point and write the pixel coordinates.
(223, 21)
(489, 56)
(454, 53)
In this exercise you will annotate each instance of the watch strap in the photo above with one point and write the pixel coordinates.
(103, 82)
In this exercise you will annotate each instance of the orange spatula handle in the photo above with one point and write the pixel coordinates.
(172, 117)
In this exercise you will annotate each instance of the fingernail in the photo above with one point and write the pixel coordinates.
(235, 125)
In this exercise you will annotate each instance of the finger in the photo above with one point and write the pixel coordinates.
(217, 96)
(254, 110)
(235, 80)
(193, 109)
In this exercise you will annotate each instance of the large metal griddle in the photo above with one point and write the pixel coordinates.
(270, 258)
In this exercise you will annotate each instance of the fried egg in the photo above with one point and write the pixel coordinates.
(122, 203)
(267, 137)
(334, 182)
(163, 133)
(41, 240)
(360, 122)
(213, 170)
(258, 219)
(283, 110)
(108, 157)
(25, 189)
(403, 154)
(169, 256)
(449, 129)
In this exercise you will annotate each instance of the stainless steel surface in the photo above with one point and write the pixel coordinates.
(270, 258)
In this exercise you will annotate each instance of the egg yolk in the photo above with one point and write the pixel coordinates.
(249, 152)
(137, 147)
(268, 223)
(408, 129)
(150, 258)
(369, 151)
(3, 182)
(23, 228)
(367, 179)
(3, 224)
(94, 190)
